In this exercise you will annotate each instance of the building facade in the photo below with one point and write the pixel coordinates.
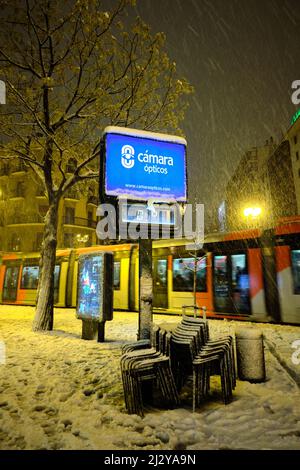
(268, 178)
(248, 187)
(23, 206)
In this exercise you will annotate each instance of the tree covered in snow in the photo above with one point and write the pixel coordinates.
(70, 69)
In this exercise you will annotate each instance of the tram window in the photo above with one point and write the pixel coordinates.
(30, 277)
(296, 270)
(56, 282)
(183, 275)
(160, 273)
(117, 275)
(56, 275)
(10, 283)
(220, 270)
(239, 275)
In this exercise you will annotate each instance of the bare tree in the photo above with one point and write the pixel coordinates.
(70, 69)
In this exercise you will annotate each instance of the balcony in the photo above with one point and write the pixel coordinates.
(80, 222)
(18, 167)
(21, 219)
(92, 200)
(72, 194)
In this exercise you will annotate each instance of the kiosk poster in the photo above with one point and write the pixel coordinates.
(93, 272)
(89, 288)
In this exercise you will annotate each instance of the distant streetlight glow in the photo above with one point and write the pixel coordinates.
(82, 238)
(252, 212)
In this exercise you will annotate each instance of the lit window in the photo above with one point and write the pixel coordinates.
(183, 274)
(295, 257)
(30, 277)
(117, 275)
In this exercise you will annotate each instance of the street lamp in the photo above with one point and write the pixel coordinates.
(252, 212)
(82, 238)
(252, 215)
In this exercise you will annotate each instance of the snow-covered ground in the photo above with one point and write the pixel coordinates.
(58, 391)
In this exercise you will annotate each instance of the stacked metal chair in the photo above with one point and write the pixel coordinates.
(193, 353)
(147, 361)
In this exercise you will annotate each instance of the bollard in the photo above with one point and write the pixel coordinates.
(250, 355)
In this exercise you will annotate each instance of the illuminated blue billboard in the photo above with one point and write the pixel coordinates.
(144, 165)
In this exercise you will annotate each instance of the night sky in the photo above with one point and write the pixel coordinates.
(241, 56)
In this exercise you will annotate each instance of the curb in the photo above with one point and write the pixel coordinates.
(283, 363)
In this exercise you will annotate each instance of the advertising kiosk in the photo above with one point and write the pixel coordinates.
(95, 293)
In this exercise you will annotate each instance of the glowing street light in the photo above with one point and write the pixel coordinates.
(252, 212)
(82, 238)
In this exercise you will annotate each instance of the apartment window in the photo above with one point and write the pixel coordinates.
(90, 218)
(69, 215)
(297, 155)
(14, 243)
(43, 210)
(20, 191)
(295, 139)
(38, 241)
(299, 172)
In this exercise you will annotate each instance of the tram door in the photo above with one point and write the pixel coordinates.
(160, 282)
(11, 283)
(231, 283)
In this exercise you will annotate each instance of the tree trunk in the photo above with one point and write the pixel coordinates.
(43, 320)
(195, 282)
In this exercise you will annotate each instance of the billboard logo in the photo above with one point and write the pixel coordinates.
(127, 158)
(296, 94)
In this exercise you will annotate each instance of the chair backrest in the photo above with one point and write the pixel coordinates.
(197, 323)
(161, 340)
(168, 343)
(183, 348)
(154, 337)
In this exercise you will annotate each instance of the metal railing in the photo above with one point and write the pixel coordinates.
(18, 219)
(93, 200)
(17, 167)
(72, 194)
(80, 222)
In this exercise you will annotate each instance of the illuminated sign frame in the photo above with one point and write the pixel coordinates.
(141, 165)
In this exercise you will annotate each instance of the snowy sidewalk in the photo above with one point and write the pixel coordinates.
(60, 392)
